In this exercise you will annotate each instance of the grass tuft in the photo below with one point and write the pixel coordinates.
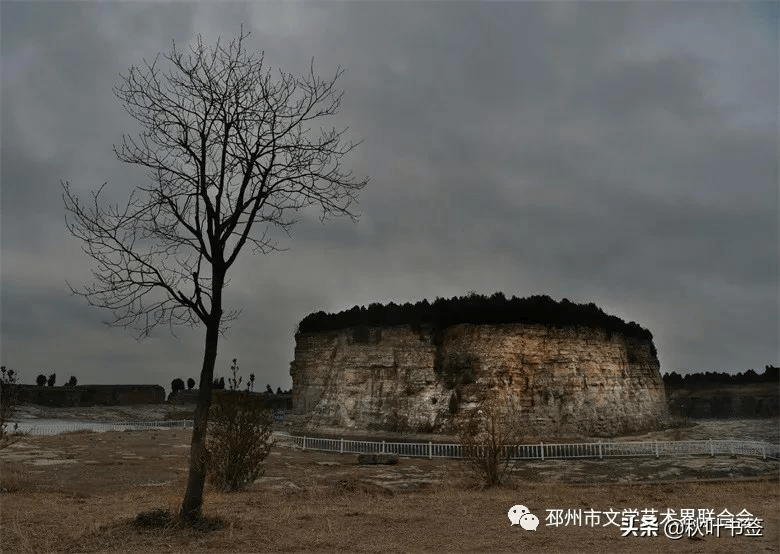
(154, 519)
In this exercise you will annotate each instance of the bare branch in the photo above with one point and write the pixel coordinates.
(230, 153)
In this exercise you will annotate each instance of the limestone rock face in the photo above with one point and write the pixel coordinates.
(572, 380)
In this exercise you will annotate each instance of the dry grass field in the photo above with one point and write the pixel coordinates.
(80, 492)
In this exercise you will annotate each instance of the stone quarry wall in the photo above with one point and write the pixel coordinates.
(575, 380)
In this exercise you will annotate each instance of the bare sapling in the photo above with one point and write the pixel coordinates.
(487, 433)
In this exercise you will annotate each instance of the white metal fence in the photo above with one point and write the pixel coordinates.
(542, 451)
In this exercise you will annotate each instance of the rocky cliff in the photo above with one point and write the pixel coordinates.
(570, 380)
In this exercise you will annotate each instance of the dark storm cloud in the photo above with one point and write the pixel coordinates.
(621, 153)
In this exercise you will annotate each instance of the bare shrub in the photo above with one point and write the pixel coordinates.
(487, 432)
(239, 435)
(9, 433)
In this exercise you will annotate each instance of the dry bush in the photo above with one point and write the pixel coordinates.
(9, 434)
(486, 431)
(239, 436)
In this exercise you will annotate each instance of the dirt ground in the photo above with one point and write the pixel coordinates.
(79, 492)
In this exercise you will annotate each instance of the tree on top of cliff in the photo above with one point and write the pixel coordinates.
(477, 309)
(232, 150)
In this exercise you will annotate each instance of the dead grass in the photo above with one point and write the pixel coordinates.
(324, 518)
(333, 508)
(15, 479)
(177, 414)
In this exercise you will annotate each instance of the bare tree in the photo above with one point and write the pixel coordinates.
(487, 433)
(232, 152)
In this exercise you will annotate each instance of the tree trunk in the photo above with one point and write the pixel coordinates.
(193, 497)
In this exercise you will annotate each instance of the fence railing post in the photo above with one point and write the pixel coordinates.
(341, 446)
(541, 445)
(601, 457)
(656, 449)
(383, 447)
(430, 450)
(304, 443)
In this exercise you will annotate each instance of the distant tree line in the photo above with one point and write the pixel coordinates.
(42, 380)
(477, 309)
(219, 384)
(177, 384)
(771, 375)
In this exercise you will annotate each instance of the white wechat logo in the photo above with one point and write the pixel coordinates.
(520, 515)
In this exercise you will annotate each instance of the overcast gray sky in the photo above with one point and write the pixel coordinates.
(619, 153)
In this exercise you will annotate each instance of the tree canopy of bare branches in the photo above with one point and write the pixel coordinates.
(232, 151)
(487, 432)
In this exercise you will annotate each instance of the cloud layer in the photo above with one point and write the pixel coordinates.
(625, 154)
